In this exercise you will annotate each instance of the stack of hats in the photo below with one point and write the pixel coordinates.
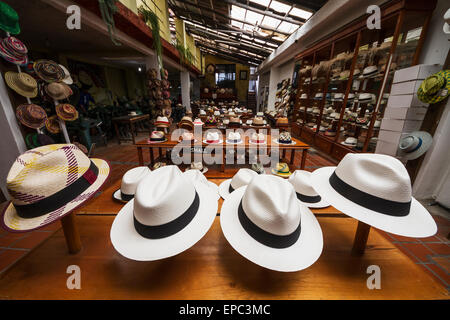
(162, 122)
(186, 123)
(49, 71)
(157, 136)
(14, 51)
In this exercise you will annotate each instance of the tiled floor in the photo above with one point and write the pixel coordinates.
(433, 253)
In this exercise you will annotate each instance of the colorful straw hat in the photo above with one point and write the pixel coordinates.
(52, 125)
(66, 112)
(9, 19)
(49, 71)
(435, 88)
(13, 50)
(31, 115)
(281, 170)
(49, 182)
(58, 90)
(22, 83)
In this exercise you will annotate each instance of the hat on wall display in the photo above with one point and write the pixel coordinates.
(58, 90)
(13, 50)
(375, 189)
(301, 181)
(153, 226)
(130, 181)
(22, 83)
(67, 78)
(31, 115)
(66, 112)
(435, 88)
(446, 27)
(49, 71)
(52, 124)
(240, 179)
(266, 224)
(9, 19)
(414, 145)
(44, 185)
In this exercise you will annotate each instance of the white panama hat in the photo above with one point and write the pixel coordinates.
(240, 179)
(67, 78)
(130, 181)
(153, 226)
(375, 189)
(266, 224)
(213, 138)
(196, 175)
(301, 181)
(446, 27)
(414, 145)
(234, 138)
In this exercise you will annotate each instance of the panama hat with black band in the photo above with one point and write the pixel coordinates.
(375, 189)
(301, 181)
(266, 224)
(130, 181)
(240, 179)
(154, 226)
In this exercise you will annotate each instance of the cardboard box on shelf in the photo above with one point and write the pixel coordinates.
(407, 87)
(405, 113)
(405, 101)
(418, 72)
(400, 125)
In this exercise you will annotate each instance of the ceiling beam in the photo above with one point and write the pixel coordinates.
(228, 52)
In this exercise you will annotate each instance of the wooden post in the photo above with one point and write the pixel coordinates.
(361, 236)
(304, 155)
(71, 233)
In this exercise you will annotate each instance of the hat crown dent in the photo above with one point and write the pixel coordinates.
(379, 175)
(301, 181)
(43, 171)
(163, 196)
(131, 179)
(271, 204)
(242, 178)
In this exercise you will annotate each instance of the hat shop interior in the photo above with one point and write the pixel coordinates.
(235, 149)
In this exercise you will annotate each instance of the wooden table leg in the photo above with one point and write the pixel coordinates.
(304, 155)
(140, 156)
(160, 155)
(292, 157)
(361, 236)
(152, 157)
(222, 165)
(117, 131)
(283, 155)
(133, 136)
(71, 233)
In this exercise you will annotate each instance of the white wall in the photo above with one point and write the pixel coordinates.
(278, 74)
(432, 179)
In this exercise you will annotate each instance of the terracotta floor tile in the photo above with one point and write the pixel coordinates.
(419, 252)
(442, 220)
(9, 238)
(439, 248)
(52, 227)
(32, 240)
(441, 273)
(443, 262)
(8, 257)
(403, 239)
(430, 239)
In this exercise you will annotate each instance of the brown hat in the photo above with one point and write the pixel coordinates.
(48, 71)
(258, 121)
(58, 90)
(31, 115)
(52, 125)
(66, 112)
(282, 122)
(22, 83)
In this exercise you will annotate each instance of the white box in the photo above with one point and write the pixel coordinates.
(405, 113)
(408, 87)
(405, 100)
(391, 136)
(418, 72)
(400, 125)
(388, 148)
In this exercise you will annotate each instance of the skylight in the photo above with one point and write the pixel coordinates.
(264, 3)
(296, 12)
(279, 7)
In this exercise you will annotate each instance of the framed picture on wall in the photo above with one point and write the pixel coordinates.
(243, 75)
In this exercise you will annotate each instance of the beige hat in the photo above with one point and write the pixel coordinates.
(58, 90)
(22, 83)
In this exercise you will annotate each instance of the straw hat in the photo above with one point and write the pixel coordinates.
(49, 182)
(435, 88)
(281, 170)
(22, 83)
(414, 145)
(240, 179)
(265, 223)
(212, 138)
(375, 189)
(157, 136)
(301, 181)
(58, 90)
(197, 176)
(66, 112)
(13, 50)
(130, 181)
(49, 71)
(153, 226)
(52, 125)
(9, 19)
(31, 115)
(162, 122)
(67, 78)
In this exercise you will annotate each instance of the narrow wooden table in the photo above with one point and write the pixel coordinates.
(129, 121)
(170, 144)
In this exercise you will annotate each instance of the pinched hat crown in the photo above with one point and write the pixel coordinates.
(42, 172)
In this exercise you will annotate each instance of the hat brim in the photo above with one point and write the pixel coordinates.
(118, 196)
(418, 223)
(317, 205)
(427, 141)
(11, 80)
(446, 28)
(130, 244)
(219, 142)
(283, 143)
(279, 174)
(224, 188)
(300, 255)
(12, 222)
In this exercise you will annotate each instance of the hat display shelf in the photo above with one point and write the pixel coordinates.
(363, 62)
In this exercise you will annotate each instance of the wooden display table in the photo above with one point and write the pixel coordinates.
(129, 121)
(169, 144)
(211, 269)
